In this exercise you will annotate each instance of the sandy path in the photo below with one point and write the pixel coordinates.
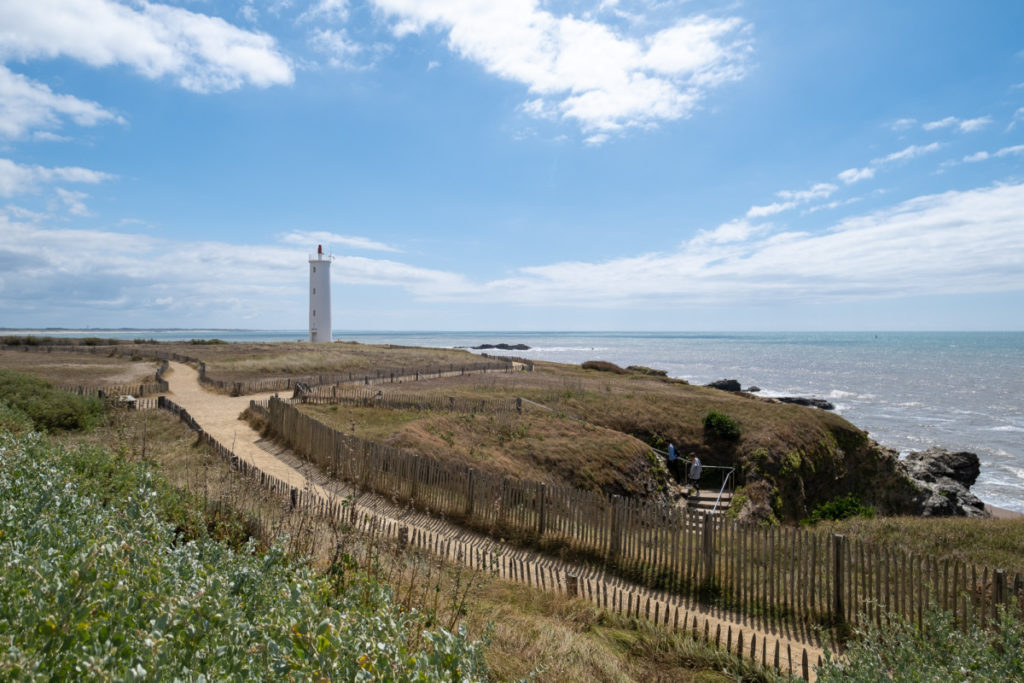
(218, 415)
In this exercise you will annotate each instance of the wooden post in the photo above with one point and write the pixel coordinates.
(838, 614)
(403, 537)
(294, 497)
(999, 589)
(541, 509)
(469, 493)
(615, 528)
(708, 548)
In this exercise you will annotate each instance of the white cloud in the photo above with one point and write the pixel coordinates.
(911, 152)
(74, 201)
(793, 198)
(138, 277)
(903, 124)
(964, 125)
(853, 175)
(204, 53)
(327, 10)
(341, 51)
(1004, 152)
(941, 123)
(956, 242)
(18, 178)
(1017, 116)
(737, 230)
(26, 105)
(971, 125)
(433, 64)
(309, 238)
(588, 72)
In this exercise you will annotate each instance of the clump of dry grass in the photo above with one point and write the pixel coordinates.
(79, 369)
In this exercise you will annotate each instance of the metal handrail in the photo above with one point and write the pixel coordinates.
(722, 490)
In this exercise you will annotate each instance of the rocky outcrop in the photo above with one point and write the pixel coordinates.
(752, 389)
(725, 385)
(945, 479)
(502, 347)
(812, 402)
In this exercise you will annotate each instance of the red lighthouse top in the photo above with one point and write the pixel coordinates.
(320, 249)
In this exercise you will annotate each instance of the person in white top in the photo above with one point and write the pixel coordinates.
(695, 468)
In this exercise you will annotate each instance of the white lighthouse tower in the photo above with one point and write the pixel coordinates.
(320, 296)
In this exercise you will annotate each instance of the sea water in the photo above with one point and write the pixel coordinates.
(909, 390)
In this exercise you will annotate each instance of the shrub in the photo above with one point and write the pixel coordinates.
(49, 409)
(939, 651)
(13, 420)
(843, 507)
(721, 426)
(603, 366)
(104, 589)
(644, 370)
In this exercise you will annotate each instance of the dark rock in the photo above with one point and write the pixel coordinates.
(753, 389)
(936, 464)
(945, 479)
(725, 385)
(502, 347)
(812, 402)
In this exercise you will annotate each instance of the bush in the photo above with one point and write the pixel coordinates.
(899, 651)
(644, 370)
(102, 588)
(49, 409)
(603, 366)
(843, 507)
(721, 426)
(13, 420)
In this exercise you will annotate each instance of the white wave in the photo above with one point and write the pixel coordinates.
(563, 349)
(839, 393)
(910, 404)
(1007, 428)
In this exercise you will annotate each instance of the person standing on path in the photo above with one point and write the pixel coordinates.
(695, 468)
(672, 464)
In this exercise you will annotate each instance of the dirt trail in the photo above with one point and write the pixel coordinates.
(218, 416)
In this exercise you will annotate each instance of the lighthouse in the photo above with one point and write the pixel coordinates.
(320, 296)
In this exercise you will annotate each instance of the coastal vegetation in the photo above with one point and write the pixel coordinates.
(154, 560)
(198, 501)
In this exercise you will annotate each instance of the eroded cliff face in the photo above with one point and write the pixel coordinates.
(930, 483)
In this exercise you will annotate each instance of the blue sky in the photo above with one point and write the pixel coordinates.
(513, 165)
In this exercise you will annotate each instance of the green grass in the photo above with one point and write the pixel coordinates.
(49, 409)
(940, 651)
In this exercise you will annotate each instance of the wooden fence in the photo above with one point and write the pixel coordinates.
(777, 574)
(596, 588)
(368, 377)
(339, 394)
(376, 376)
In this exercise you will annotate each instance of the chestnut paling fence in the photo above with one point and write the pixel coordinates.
(778, 575)
(776, 652)
(361, 396)
(240, 388)
(369, 377)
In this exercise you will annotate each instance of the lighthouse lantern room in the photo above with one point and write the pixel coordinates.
(320, 296)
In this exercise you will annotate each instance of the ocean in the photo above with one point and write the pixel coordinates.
(909, 390)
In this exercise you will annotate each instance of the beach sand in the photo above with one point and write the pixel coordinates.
(1000, 513)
